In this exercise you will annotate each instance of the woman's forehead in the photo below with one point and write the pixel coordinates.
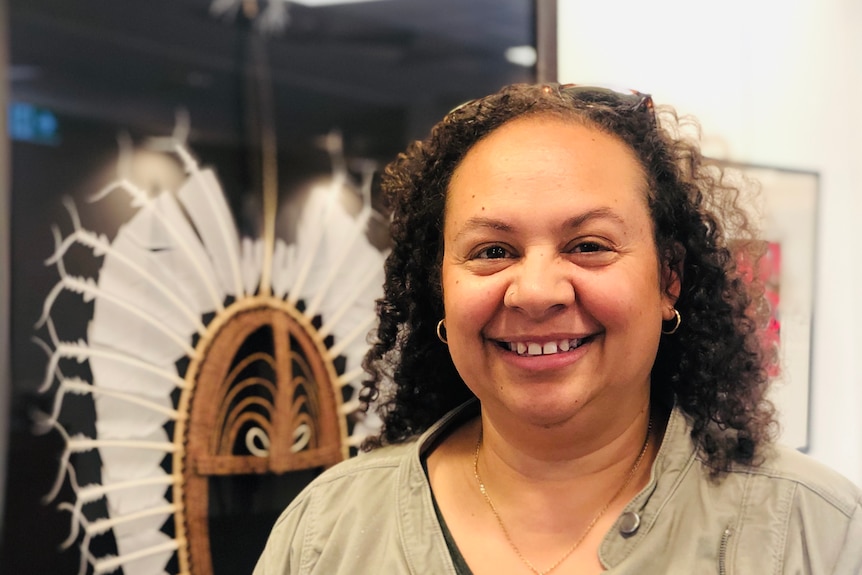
(548, 169)
(544, 148)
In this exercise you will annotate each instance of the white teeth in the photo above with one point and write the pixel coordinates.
(549, 348)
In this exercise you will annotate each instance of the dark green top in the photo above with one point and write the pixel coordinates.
(461, 567)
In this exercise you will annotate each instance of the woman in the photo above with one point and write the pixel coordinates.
(568, 367)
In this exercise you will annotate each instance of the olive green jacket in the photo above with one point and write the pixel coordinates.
(374, 515)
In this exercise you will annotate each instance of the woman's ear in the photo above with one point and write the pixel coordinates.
(671, 275)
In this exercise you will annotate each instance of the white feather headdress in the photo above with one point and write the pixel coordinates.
(171, 280)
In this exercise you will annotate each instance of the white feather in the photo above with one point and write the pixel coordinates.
(163, 407)
(163, 229)
(156, 275)
(205, 203)
(141, 300)
(120, 419)
(117, 326)
(321, 205)
(340, 258)
(116, 370)
(134, 260)
(129, 496)
(144, 553)
(122, 461)
(283, 266)
(252, 263)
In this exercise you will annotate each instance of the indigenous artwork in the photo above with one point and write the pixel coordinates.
(195, 251)
(207, 354)
(784, 202)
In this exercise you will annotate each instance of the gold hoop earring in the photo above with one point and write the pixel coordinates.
(441, 331)
(676, 326)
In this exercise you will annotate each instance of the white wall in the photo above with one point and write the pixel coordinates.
(773, 82)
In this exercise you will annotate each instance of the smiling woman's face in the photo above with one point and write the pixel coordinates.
(552, 286)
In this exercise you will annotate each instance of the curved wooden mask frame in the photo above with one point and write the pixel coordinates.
(252, 411)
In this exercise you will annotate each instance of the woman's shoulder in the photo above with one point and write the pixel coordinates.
(810, 478)
(779, 469)
(808, 513)
(373, 469)
(333, 518)
(371, 477)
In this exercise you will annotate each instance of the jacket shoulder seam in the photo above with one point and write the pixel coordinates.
(349, 467)
(842, 503)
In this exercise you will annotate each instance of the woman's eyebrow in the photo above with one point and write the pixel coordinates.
(594, 214)
(479, 222)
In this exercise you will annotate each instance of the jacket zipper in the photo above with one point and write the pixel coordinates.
(722, 551)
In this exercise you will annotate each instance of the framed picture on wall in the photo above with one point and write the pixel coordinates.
(784, 203)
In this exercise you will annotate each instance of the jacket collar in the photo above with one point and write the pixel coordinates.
(423, 537)
(675, 457)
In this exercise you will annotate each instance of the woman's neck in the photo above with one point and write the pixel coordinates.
(587, 446)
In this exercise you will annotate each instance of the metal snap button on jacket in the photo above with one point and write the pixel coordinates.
(629, 523)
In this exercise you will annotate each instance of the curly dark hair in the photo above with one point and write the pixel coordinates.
(714, 365)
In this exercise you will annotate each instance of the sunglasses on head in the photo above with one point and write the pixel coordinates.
(630, 100)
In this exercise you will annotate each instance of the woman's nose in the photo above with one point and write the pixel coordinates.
(540, 285)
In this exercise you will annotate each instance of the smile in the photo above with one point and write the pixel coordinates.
(547, 348)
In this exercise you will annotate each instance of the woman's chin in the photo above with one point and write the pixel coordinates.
(546, 411)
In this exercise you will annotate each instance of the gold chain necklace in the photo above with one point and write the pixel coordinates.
(586, 532)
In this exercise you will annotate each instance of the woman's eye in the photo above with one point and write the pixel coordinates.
(492, 253)
(586, 247)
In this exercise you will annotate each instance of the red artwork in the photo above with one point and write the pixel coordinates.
(768, 274)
